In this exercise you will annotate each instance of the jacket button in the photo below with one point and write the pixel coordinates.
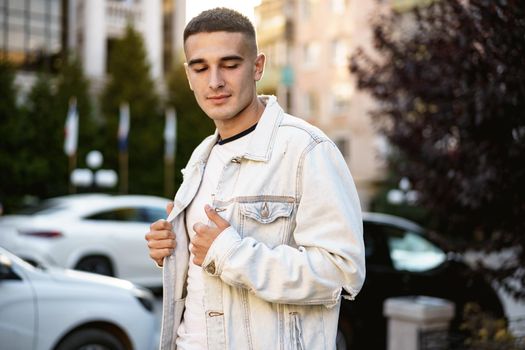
(264, 211)
(210, 268)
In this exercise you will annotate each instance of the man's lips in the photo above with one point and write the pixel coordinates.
(218, 98)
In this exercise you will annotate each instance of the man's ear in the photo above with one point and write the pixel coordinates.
(187, 70)
(260, 60)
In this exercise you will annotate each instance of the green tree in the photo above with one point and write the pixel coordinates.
(32, 144)
(43, 168)
(129, 81)
(452, 102)
(193, 124)
(10, 132)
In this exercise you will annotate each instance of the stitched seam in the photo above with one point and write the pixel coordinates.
(278, 120)
(314, 134)
(246, 307)
(221, 262)
(300, 166)
(255, 199)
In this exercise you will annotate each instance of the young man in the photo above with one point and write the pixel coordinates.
(265, 230)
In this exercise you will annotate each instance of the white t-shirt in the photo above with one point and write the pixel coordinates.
(192, 330)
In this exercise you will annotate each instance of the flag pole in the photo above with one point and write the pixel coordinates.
(123, 131)
(123, 166)
(170, 141)
(169, 164)
(72, 166)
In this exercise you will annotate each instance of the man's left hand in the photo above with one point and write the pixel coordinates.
(205, 235)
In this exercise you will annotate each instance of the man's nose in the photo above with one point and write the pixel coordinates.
(216, 80)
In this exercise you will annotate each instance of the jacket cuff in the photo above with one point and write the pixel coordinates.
(223, 246)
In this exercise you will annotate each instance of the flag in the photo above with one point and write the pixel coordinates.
(123, 127)
(170, 134)
(71, 128)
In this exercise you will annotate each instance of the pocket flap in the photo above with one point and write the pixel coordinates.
(266, 212)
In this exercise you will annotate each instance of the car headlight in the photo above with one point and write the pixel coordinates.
(145, 298)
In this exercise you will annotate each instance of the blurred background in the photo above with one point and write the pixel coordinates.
(424, 99)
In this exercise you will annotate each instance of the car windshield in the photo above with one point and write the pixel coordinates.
(409, 251)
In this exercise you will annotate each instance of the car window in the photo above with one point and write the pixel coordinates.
(121, 214)
(152, 214)
(412, 252)
(376, 250)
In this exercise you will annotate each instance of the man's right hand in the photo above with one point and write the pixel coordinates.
(161, 238)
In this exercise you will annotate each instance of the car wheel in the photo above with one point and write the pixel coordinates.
(95, 264)
(90, 339)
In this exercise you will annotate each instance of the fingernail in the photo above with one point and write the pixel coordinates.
(207, 207)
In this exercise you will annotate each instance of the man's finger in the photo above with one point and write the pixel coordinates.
(169, 207)
(198, 227)
(160, 224)
(215, 217)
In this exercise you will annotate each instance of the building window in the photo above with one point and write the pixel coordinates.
(311, 54)
(31, 32)
(342, 95)
(306, 8)
(311, 105)
(344, 147)
(339, 52)
(338, 6)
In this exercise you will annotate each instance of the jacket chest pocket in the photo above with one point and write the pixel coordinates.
(266, 221)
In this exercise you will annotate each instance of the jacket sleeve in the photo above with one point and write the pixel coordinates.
(328, 233)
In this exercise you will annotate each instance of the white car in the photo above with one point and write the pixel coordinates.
(51, 308)
(90, 232)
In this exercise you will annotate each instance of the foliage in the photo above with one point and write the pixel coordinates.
(380, 202)
(42, 166)
(484, 332)
(450, 82)
(32, 158)
(10, 132)
(193, 124)
(130, 81)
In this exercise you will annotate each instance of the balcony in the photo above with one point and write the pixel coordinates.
(119, 14)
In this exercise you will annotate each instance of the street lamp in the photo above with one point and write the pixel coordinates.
(90, 178)
(403, 194)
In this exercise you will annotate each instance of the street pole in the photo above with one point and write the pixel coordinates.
(123, 171)
(169, 176)
(72, 160)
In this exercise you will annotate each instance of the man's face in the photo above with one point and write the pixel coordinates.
(222, 69)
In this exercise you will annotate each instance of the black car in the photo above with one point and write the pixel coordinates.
(402, 260)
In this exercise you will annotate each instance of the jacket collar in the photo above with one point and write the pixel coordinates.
(263, 137)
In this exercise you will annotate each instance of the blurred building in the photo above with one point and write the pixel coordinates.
(31, 32)
(35, 34)
(32, 36)
(308, 44)
(95, 24)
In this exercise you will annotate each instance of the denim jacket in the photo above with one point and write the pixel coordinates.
(273, 279)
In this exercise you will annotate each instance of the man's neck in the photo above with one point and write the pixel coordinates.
(246, 118)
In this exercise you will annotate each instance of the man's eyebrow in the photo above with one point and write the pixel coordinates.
(195, 61)
(222, 59)
(232, 58)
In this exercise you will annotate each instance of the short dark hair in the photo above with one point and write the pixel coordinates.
(221, 19)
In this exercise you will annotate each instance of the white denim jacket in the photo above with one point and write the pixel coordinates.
(273, 279)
